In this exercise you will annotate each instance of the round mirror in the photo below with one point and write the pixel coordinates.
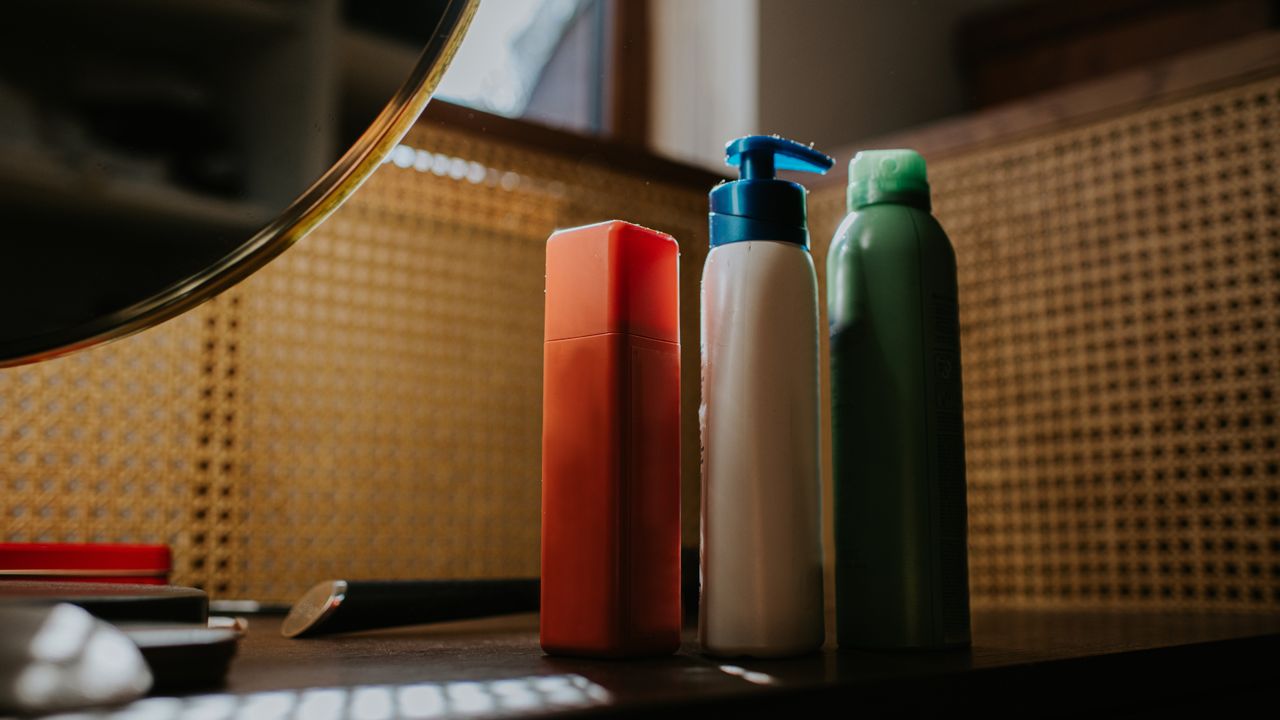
(155, 152)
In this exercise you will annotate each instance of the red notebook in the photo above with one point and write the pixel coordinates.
(86, 562)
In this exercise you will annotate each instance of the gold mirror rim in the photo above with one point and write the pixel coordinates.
(301, 216)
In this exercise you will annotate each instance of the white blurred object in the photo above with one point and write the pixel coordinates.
(61, 658)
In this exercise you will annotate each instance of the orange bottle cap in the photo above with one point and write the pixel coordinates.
(612, 277)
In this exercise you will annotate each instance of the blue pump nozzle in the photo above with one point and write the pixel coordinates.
(758, 205)
(759, 157)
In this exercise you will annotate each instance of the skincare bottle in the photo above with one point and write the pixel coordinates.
(897, 428)
(611, 443)
(761, 488)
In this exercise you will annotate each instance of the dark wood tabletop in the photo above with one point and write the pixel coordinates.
(1021, 662)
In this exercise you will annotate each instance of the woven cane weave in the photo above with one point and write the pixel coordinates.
(368, 406)
(105, 445)
(392, 366)
(1120, 310)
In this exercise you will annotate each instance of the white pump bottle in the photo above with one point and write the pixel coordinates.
(761, 487)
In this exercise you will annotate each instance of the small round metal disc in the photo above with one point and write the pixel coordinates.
(312, 608)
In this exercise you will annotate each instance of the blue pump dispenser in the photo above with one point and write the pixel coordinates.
(759, 206)
(760, 413)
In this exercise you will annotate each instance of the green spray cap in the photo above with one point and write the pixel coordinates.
(888, 176)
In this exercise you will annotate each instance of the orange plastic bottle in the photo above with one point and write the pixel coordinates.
(611, 443)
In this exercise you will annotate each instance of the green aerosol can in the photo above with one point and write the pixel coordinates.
(897, 421)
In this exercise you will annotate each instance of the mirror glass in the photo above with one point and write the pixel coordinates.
(154, 152)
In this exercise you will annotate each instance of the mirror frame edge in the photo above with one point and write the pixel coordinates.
(300, 217)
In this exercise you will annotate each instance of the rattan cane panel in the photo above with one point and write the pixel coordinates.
(392, 367)
(106, 445)
(1120, 303)
(367, 406)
